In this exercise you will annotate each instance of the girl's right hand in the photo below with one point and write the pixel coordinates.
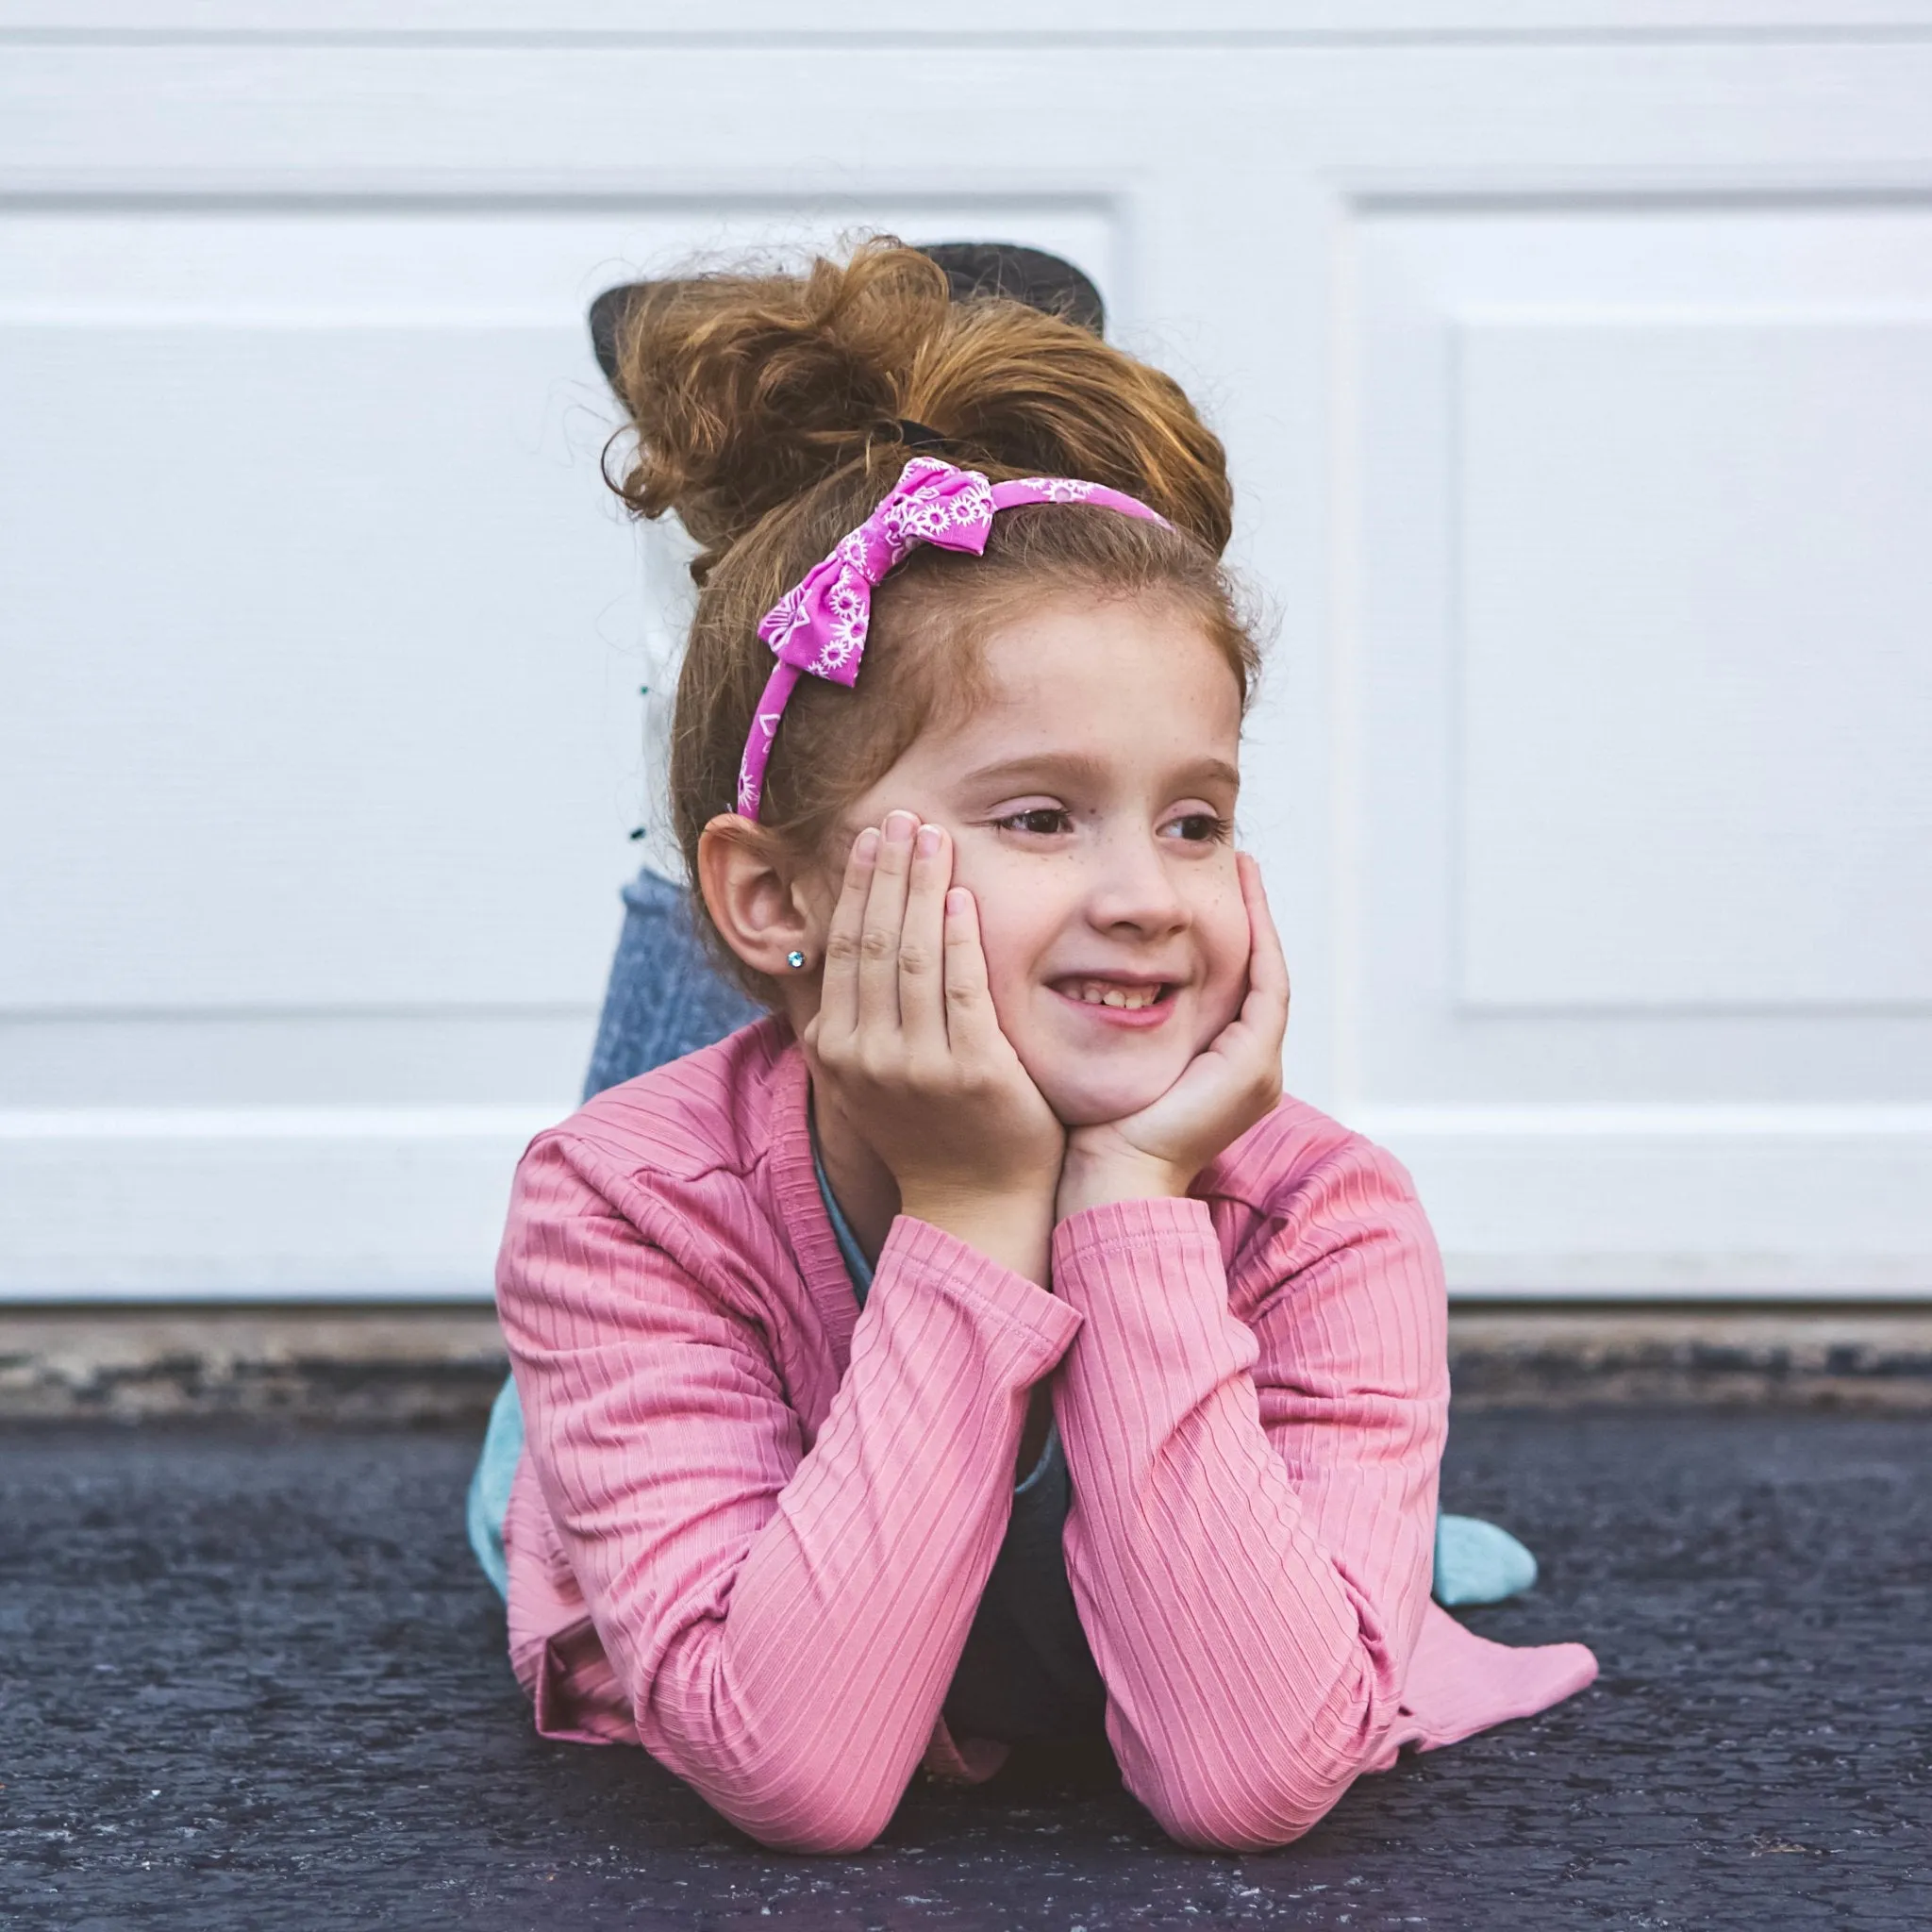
(906, 1049)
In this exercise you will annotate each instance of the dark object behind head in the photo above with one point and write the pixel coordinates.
(972, 269)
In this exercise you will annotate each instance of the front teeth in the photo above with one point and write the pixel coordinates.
(1095, 993)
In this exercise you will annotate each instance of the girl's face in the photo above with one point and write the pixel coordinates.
(1090, 804)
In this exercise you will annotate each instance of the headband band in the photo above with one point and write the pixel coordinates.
(818, 628)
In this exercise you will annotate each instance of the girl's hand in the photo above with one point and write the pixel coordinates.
(906, 1051)
(1224, 1090)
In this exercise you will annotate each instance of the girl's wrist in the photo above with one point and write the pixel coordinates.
(1098, 1178)
(1013, 1229)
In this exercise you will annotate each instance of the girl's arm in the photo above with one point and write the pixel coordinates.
(784, 1622)
(787, 1624)
(1251, 1534)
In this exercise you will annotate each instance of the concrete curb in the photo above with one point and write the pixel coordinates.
(1869, 1360)
(354, 1366)
(326, 1365)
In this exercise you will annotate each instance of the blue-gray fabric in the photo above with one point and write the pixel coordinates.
(487, 1502)
(667, 998)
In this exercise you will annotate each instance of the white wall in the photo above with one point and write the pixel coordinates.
(1577, 365)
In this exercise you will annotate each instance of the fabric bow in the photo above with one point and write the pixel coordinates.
(820, 625)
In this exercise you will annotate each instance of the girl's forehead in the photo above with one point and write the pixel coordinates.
(1101, 692)
(1146, 670)
(1072, 635)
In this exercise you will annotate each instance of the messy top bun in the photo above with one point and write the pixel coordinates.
(768, 413)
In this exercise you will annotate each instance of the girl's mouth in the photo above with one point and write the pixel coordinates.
(1120, 1002)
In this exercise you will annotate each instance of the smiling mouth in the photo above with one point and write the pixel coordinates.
(1121, 996)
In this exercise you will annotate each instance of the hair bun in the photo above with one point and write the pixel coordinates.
(746, 391)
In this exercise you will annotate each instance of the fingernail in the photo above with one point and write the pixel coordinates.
(958, 900)
(865, 848)
(900, 826)
(928, 842)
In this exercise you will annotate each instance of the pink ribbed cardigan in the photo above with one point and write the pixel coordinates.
(752, 1524)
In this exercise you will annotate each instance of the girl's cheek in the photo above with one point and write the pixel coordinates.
(1233, 943)
(974, 866)
(1002, 898)
(1006, 976)
(1214, 897)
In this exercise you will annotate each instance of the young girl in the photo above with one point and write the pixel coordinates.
(979, 1348)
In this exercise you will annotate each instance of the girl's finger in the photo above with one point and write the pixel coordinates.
(884, 915)
(839, 990)
(971, 1022)
(1266, 964)
(922, 942)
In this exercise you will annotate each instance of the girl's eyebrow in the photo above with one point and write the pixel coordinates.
(1081, 768)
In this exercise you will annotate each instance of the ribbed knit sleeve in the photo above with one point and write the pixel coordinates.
(1254, 1493)
(784, 1618)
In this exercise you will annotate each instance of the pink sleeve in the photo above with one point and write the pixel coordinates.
(784, 1622)
(1254, 1513)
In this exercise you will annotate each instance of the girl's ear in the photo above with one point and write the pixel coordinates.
(751, 891)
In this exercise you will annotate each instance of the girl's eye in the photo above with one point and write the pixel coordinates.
(1042, 820)
(1198, 828)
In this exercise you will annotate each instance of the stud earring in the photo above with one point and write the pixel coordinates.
(795, 961)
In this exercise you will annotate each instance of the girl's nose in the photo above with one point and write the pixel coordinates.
(1133, 888)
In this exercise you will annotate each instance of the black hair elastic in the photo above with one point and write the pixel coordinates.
(918, 435)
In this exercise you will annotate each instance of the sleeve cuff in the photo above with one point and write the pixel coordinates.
(1152, 1247)
(1133, 1224)
(1042, 1322)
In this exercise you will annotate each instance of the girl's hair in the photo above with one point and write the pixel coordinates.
(768, 409)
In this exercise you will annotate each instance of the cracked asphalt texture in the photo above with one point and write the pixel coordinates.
(251, 1679)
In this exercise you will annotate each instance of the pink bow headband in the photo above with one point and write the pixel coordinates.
(818, 627)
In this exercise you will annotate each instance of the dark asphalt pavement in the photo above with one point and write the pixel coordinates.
(251, 1680)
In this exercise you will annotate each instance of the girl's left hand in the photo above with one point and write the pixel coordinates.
(1226, 1089)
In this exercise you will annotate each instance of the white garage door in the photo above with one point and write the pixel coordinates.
(1576, 361)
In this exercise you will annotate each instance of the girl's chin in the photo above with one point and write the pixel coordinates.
(1092, 1103)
